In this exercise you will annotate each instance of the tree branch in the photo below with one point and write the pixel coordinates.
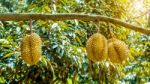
(84, 17)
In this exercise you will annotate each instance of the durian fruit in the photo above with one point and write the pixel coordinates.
(96, 47)
(117, 51)
(31, 48)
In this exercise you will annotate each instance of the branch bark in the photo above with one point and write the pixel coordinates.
(84, 17)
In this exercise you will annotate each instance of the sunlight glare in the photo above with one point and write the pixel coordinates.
(138, 6)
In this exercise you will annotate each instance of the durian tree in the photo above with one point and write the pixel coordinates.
(64, 58)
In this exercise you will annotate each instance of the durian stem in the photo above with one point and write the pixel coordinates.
(30, 26)
(97, 26)
(110, 30)
(72, 16)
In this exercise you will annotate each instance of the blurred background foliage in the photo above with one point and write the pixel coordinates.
(64, 59)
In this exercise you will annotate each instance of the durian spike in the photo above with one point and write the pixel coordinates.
(117, 51)
(31, 48)
(97, 48)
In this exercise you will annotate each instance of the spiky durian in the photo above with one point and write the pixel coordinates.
(31, 48)
(97, 48)
(117, 51)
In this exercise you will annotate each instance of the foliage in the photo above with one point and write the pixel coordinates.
(64, 57)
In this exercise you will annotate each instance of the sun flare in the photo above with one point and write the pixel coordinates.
(138, 6)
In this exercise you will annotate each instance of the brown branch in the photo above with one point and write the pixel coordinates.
(84, 17)
(141, 14)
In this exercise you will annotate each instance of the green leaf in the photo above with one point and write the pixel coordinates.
(2, 80)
